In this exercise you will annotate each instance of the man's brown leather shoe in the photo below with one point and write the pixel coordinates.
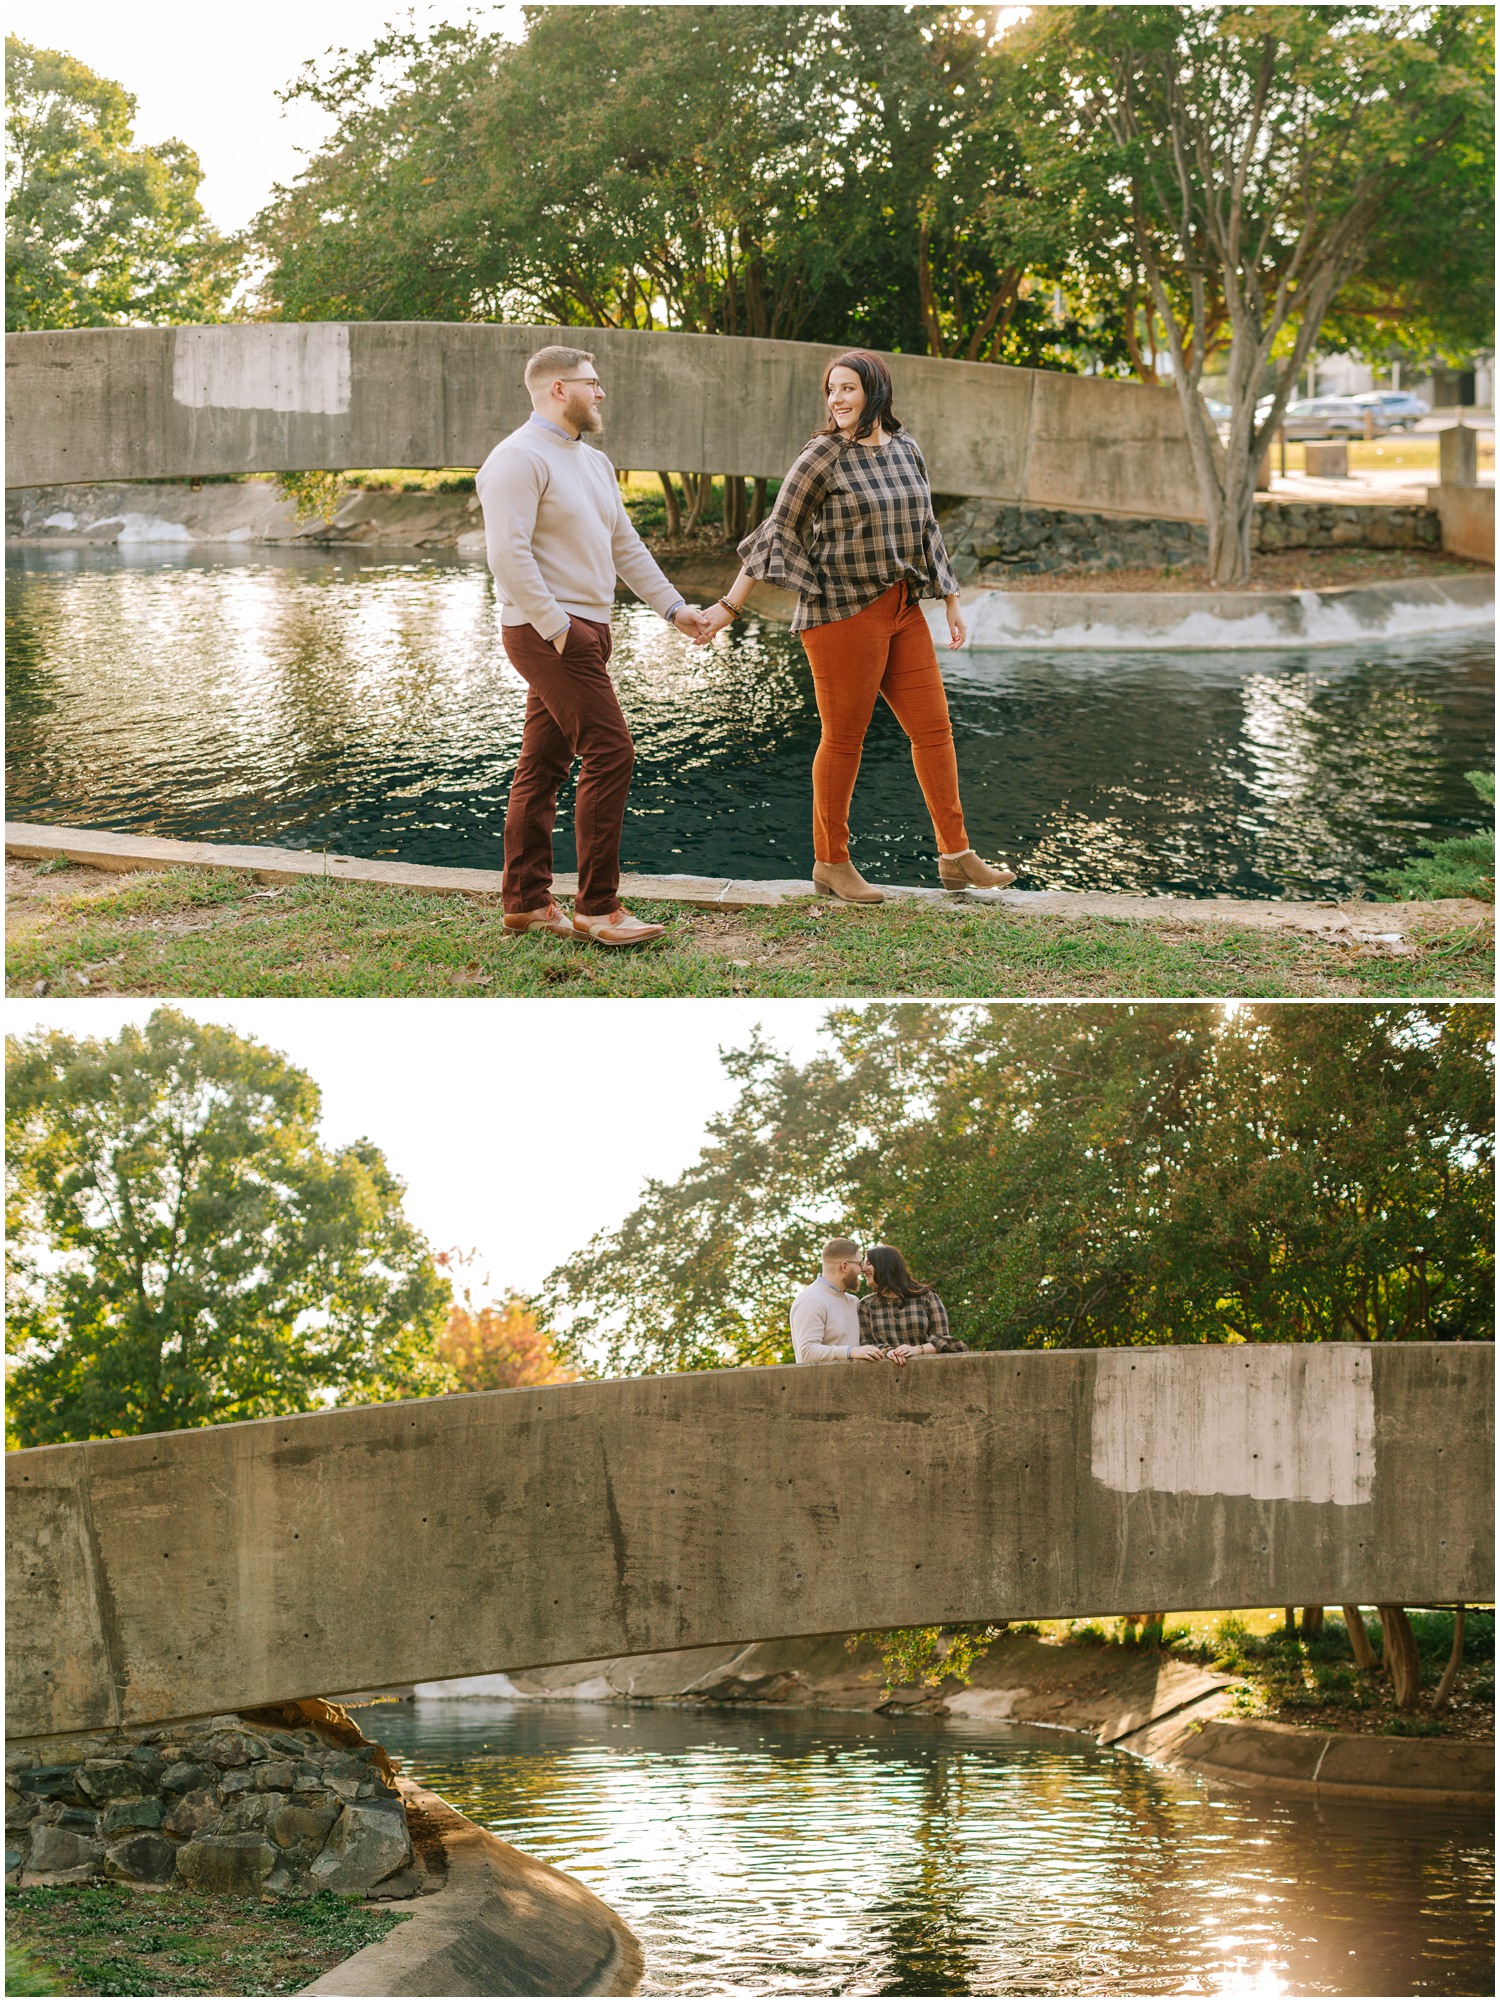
(551, 919)
(616, 927)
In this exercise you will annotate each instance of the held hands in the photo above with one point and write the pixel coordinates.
(695, 624)
(866, 1353)
(715, 619)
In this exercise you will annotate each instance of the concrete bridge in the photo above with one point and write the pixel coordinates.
(152, 403)
(192, 1572)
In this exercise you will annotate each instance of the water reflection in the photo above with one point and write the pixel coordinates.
(349, 701)
(868, 1856)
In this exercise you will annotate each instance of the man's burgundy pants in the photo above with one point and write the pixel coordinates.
(571, 712)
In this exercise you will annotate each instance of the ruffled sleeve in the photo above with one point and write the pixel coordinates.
(780, 549)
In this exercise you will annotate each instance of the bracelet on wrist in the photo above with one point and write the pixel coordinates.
(733, 610)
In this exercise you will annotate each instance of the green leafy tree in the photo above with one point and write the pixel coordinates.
(1252, 163)
(99, 232)
(1074, 1177)
(184, 1251)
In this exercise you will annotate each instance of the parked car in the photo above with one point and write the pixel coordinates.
(1395, 409)
(1319, 417)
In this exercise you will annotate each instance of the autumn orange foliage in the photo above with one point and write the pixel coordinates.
(499, 1348)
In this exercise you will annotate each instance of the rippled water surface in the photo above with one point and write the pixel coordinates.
(334, 699)
(831, 1855)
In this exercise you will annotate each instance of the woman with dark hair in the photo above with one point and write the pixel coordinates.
(854, 535)
(899, 1314)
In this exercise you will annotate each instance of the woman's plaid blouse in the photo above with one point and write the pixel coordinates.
(889, 1324)
(850, 521)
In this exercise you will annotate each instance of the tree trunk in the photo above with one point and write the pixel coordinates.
(1289, 1619)
(674, 512)
(1455, 1659)
(696, 486)
(1401, 1656)
(1365, 1658)
(757, 504)
(1312, 1620)
(734, 507)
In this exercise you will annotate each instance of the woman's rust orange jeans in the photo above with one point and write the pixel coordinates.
(884, 650)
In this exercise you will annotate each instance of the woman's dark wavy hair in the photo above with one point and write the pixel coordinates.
(892, 1275)
(875, 380)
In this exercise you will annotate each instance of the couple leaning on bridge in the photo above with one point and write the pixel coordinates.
(896, 1319)
(852, 533)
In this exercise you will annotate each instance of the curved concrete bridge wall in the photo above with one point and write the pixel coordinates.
(193, 1572)
(154, 403)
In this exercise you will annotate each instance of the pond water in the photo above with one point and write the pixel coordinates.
(820, 1854)
(363, 704)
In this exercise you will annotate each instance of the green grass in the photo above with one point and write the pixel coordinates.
(106, 1939)
(194, 932)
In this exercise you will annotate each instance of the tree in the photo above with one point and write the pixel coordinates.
(496, 1348)
(1069, 1178)
(99, 232)
(796, 173)
(184, 1251)
(1252, 162)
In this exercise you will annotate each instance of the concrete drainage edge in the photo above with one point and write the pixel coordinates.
(101, 848)
(502, 1924)
(1324, 1765)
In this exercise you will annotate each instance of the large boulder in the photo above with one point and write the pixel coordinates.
(142, 1859)
(104, 1780)
(300, 1830)
(126, 1814)
(195, 1814)
(54, 1849)
(368, 1842)
(230, 1866)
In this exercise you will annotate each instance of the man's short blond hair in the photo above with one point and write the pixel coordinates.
(839, 1248)
(548, 363)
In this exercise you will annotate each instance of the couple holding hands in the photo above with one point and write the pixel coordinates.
(852, 533)
(896, 1319)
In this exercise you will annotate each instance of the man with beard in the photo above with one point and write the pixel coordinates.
(557, 536)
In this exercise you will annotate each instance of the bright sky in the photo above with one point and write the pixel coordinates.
(207, 72)
(519, 1127)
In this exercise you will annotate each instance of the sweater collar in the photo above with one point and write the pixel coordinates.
(546, 424)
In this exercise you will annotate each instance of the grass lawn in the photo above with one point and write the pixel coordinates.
(195, 932)
(1311, 1679)
(110, 1939)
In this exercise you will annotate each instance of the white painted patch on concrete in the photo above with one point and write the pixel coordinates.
(62, 519)
(985, 1706)
(304, 369)
(1282, 1424)
(147, 528)
(470, 1685)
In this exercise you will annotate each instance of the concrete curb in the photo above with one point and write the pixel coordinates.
(1331, 1765)
(1389, 925)
(502, 1924)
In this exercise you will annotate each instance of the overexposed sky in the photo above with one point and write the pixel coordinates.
(207, 72)
(519, 1127)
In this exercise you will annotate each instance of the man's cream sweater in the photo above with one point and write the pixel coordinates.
(557, 534)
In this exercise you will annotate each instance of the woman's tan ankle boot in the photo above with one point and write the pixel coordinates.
(842, 879)
(969, 872)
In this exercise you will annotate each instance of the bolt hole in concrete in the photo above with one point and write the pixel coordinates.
(827, 1854)
(319, 699)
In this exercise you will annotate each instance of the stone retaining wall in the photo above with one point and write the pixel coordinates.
(991, 543)
(219, 1806)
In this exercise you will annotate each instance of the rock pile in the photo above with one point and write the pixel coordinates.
(992, 541)
(223, 1806)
